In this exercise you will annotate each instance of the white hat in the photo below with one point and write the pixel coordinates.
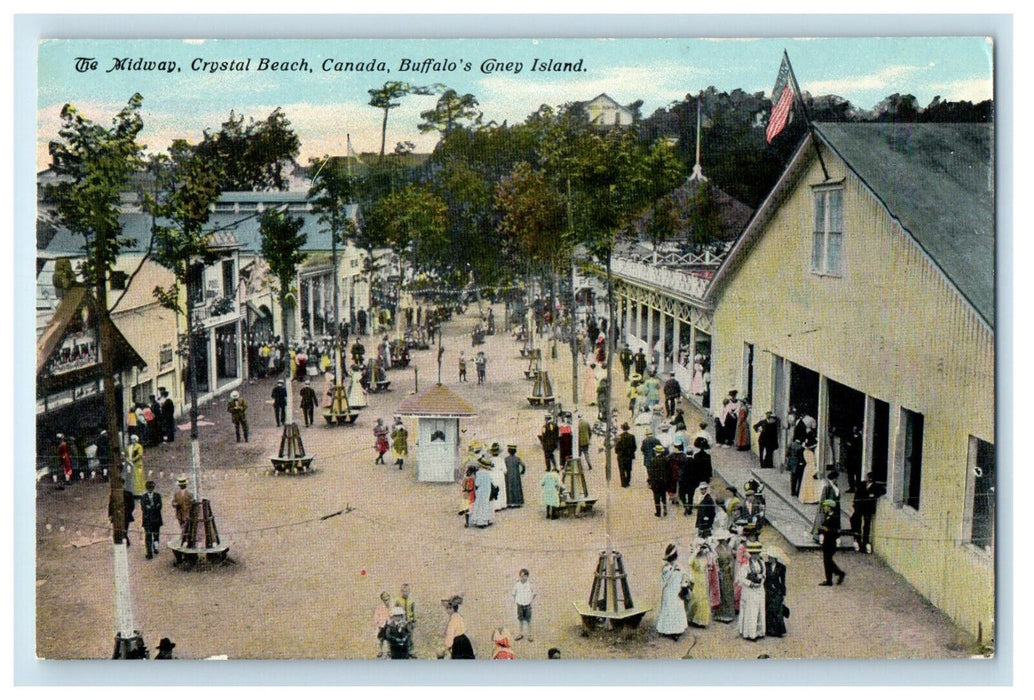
(134, 438)
(234, 395)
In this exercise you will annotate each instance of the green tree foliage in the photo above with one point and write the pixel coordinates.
(413, 221)
(282, 250)
(388, 96)
(94, 164)
(251, 155)
(532, 211)
(187, 188)
(451, 110)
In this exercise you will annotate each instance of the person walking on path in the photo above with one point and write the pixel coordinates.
(794, 463)
(481, 513)
(399, 442)
(647, 447)
(405, 601)
(768, 439)
(279, 396)
(181, 502)
(830, 492)
(380, 440)
(381, 616)
(456, 643)
(639, 362)
(657, 476)
(502, 651)
(523, 595)
(672, 394)
(624, 449)
(625, 358)
(479, 364)
(168, 415)
(551, 489)
(675, 585)
(308, 403)
(776, 611)
(828, 534)
(238, 410)
(515, 468)
(64, 455)
(463, 367)
(135, 455)
(584, 437)
(864, 511)
(751, 577)
(151, 511)
(498, 477)
(549, 437)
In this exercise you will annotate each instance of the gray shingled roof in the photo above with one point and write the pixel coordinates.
(243, 224)
(938, 181)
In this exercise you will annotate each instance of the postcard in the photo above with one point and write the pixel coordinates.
(600, 348)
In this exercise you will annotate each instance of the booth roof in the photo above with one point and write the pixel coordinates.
(436, 401)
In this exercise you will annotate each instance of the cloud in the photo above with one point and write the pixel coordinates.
(889, 78)
(657, 84)
(972, 90)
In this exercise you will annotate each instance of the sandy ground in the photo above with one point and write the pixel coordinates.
(300, 586)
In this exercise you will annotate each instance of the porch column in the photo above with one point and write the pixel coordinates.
(868, 429)
(649, 333)
(676, 341)
(662, 351)
(823, 452)
(312, 294)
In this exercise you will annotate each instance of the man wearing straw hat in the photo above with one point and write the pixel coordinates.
(181, 502)
(828, 533)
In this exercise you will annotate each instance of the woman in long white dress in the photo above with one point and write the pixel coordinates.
(671, 618)
(356, 393)
(811, 485)
(751, 577)
(498, 476)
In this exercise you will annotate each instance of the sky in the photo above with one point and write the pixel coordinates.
(325, 105)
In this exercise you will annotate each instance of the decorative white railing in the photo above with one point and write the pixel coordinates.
(674, 259)
(665, 278)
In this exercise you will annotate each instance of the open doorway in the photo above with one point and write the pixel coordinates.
(846, 413)
(804, 390)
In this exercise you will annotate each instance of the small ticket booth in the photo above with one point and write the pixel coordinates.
(438, 412)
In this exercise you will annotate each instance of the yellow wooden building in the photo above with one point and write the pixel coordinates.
(862, 293)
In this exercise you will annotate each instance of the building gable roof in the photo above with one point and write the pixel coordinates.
(436, 401)
(124, 355)
(935, 180)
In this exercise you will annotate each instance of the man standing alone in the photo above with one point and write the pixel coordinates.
(151, 506)
(238, 410)
(672, 393)
(309, 401)
(624, 448)
(279, 397)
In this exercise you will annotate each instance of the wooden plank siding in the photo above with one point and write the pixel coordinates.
(892, 326)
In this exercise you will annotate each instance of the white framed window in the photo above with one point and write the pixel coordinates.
(828, 230)
(910, 458)
(979, 511)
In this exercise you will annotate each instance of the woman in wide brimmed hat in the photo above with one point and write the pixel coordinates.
(776, 611)
(671, 618)
(456, 642)
(481, 513)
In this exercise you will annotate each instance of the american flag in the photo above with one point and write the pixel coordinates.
(782, 101)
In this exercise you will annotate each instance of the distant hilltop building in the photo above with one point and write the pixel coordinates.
(603, 110)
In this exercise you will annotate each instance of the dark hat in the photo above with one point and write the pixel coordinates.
(166, 644)
(832, 473)
(453, 602)
(733, 392)
(701, 443)
(670, 552)
(625, 426)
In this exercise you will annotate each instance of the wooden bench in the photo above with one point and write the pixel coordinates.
(628, 617)
(292, 465)
(577, 505)
(334, 418)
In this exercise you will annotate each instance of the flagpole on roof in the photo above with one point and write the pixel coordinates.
(807, 118)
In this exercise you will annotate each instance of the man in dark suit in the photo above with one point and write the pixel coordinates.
(624, 448)
(279, 396)
(829, 531)
(658, 476)
(639, 361)
(864, 510)
(550, 439)
(768, 439)
(168, 415)
(151, 506)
